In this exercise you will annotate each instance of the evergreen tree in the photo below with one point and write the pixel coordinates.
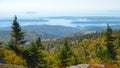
(39, 44)
(30, 54)
(65, 55)
(118, 43)
(17, 36)
(1, 42)
(42, 54)
(109, 43)
(35, 56)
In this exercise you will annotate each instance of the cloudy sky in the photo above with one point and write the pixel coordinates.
(41, 8)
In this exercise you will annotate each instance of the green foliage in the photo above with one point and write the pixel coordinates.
(43, 59)
(35, 56)
(65, 55)
(95, 48)
(1, 42)
(39, 44)
(17, 36)
(109, 43)
(2, 52)
(103, 56)
(33, 53)
(76, 56)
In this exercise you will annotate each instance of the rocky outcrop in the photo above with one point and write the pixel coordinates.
(87, 66)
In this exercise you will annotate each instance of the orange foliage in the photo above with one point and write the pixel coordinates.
(110, 66)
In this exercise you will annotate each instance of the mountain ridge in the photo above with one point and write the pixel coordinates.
(44, 31)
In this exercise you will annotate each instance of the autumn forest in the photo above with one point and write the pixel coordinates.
(100, 47)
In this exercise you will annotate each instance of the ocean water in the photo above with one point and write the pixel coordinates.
(64, 22)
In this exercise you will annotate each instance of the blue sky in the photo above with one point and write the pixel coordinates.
(42, 8)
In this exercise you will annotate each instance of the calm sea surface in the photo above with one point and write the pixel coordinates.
(64, 22)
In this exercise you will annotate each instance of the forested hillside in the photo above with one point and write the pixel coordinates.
(81, 48)
(44, 31)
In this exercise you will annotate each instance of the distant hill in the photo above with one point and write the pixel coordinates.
(51, 31)
(72, 37)
(29, 35)
(4, 35)
(44, 31)
(55, 30)
(97, 28)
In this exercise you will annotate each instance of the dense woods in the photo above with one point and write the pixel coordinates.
(95, 48)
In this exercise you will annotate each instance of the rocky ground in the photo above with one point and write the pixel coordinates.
(87, 66)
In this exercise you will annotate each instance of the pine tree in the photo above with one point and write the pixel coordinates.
(39, 43)
(35, 56)
(65, 55)
(118, 44)
(42, 56)
(1, 42)
(17, 36)
(109, 43)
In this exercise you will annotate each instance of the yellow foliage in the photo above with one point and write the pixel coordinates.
(11, 58)
(95, 61)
